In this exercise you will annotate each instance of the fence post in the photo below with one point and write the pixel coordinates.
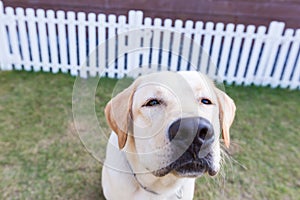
(284, 52)
(276, 40)
(269, 53)
(135, 22)
(3, 42)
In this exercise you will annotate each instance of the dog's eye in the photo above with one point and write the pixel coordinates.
(206, 101)
(152, 102)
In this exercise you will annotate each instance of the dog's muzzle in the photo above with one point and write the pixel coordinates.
(194, 137)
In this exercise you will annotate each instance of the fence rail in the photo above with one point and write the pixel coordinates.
(114, 46)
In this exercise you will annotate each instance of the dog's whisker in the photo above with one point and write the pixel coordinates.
(240, 164)
(226, 160)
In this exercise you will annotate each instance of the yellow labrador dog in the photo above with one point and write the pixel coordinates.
(166, 128)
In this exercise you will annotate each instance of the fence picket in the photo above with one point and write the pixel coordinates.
(186, 45)
(166, 44)
(111, 46)
(14, 41)
(43, 40)
(213, 61)
(175, 52)
(268, 54)
(82, 39)
(102, 44)
(131, 43)
(295, 82)
(121, 46)
(281, 59)
(146, 42)
(205, 55)
(62, 41)
(291, 61)
(52, 40)
(72, 43)
(225, 51)
(156, 43)
(245, 54)
(4, 53)
(33, 39)
(23, 38)
(92, 53)
(134, 42)
(274, 51)
(235, 54)
(196, 46)
(139, 51)
(254, 58)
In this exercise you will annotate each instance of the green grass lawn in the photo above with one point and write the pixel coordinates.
(41, 156)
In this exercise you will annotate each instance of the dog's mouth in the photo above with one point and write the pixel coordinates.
(198, 157)
(192, 168)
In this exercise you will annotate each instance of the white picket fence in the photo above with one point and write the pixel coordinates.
(114, 46)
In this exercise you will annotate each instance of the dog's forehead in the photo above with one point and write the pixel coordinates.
(182, 85)
(163, 80)
(181, 79)
(197, 81)
(185, 80)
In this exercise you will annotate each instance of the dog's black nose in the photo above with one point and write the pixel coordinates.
(197, 127)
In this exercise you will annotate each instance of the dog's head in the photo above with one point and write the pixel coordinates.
(171, 123)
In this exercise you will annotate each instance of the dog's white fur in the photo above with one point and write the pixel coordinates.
(139, 142)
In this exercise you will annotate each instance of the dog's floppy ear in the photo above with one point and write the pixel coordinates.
(227, 112)
(117, 113)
